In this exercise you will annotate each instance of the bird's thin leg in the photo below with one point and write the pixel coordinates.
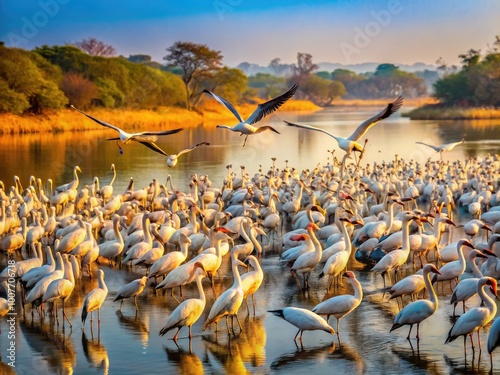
(65, 316)
(190, 335)
(295, 338)
(121, 304)
(238, 321)
(245, 141)
(135, 301)
(409, 332)
(176, 334)
(418, 331)
(98, 317)
(253, 304)
(479, 340)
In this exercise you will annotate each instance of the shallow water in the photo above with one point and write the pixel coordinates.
(129, 344)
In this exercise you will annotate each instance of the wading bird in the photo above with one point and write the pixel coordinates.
(148, 139)
(246, 128)
(132, 289)
(190, 310)
(417, 311)
(303, 319)
(94, 300)
(476, 318)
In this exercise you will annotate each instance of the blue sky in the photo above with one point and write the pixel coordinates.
(344, 31)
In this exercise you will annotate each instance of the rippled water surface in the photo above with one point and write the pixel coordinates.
(129, 344)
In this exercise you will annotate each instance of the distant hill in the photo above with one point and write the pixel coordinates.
(252, 69)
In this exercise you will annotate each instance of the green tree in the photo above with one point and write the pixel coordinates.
(230, 83)
(322, 91)
(198, 63)
(24, 86)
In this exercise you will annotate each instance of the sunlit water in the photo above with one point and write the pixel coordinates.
(129, 344)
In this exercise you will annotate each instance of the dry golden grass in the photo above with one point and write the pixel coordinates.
(453, 113)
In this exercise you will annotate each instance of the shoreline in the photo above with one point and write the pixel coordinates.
(68, 120)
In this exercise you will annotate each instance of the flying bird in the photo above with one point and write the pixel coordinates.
(350, 143)
(246, 128)
(444, 147)
(173, 158)
(148, 139)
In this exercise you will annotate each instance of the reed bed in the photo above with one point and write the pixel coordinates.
(436, 112)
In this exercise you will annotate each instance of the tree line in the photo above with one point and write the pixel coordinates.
(88, 73)
(476, 83)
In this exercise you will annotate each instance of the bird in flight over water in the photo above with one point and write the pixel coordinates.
(444, 147)
(172, 159)
(148, 139)
(246, 128)
(350, 143)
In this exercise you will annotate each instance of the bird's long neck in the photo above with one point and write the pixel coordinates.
(68, 271)
(102, 284)
(75, 174)
(118, 235)
(59, 263)
(200, 288)
(147, 233)
(114, 176)
(430, 289)
(256, 243)
(347, 238)
(256, 266)
(244, 231)
(314, 239)
(184, 249)
(461, 256)
(488, 301)
(389, 219)
(237, 278)
(358, 291)
(475, 269)
(50, 256)
(406, 236)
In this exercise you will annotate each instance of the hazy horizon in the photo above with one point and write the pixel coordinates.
(344, 31)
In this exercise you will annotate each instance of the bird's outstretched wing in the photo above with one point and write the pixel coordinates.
(193, 147)
(100, 122)
(270, 106)
(226, 104)
(389, 110)
(309, 127)
(435, 148)
(163, 132)
(153, 146)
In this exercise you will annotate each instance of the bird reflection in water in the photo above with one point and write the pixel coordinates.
(303, 357)
(96, 354)
(138, 325)
(53, 346)
(236, 354)
(187, 362)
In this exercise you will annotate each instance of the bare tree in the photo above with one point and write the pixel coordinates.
(95, 47)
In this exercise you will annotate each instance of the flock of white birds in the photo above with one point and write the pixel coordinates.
(327, 220)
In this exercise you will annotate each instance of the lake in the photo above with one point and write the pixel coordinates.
(129, 344)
